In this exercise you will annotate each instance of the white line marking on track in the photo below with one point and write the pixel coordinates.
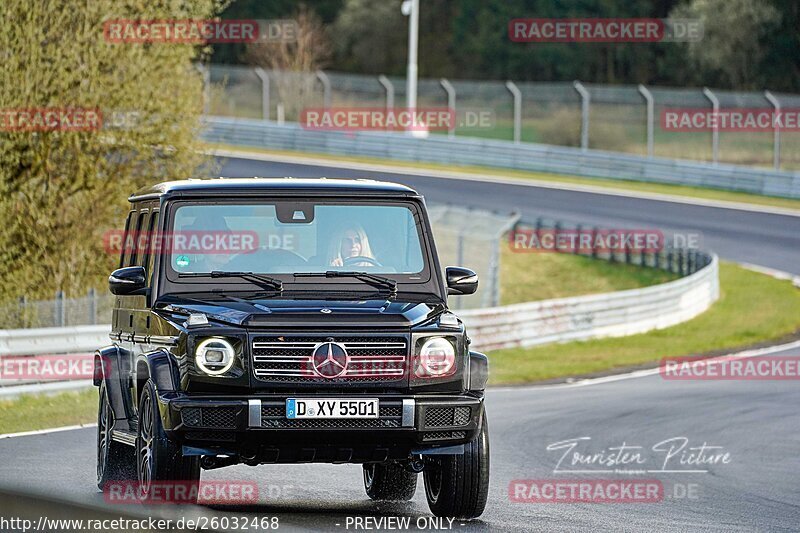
(494, 178)
(46, 431)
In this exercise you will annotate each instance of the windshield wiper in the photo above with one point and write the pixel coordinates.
(371, 279)
(265, 282)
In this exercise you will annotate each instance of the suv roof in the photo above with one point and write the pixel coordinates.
(278, 186)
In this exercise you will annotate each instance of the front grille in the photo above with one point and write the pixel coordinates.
(210, 417)
(288, 359)
(446, 416)
(444, 435)
(389, 416)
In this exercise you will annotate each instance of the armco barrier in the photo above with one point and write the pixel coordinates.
(40, 341)
(598, 315)
(502, 154)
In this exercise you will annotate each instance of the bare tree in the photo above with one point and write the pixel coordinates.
(293, 62)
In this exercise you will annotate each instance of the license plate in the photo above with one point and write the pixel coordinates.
(331, 408)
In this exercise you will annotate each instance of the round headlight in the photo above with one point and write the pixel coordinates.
(437, 357)
(214, 356)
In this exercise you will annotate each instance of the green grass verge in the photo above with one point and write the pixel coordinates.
(752, 308)
(28, 413)
(525, 277)
(617, 185)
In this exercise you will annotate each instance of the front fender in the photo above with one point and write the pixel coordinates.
(160, 367)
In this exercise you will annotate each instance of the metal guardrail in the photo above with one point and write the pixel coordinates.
(593, 316)
(41, 341)
(502, 154)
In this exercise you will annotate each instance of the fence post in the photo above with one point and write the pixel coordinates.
(715, 129)
(279, 111)
(648, 97)
(459, 259)
(264, 77)
(387, 85)
(451, 104)
(585, 99)
(514, 90)
(58, 310)
(494, 269)
(206, 74)
(92, 295)
(326, 88)
(776, 135)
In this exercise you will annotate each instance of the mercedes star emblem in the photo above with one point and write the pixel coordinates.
(329, 359)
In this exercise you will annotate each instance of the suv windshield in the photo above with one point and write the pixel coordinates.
(288, 237)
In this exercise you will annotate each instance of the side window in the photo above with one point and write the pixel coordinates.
(151, 254)
(125, 251)
(137, 254)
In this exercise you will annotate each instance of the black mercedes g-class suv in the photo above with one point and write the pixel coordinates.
(281, 320)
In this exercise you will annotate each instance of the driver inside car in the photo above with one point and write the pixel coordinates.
(351, 244)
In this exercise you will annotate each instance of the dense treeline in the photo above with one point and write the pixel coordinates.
(748, 44)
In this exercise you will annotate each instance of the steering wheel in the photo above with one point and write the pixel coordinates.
(357, 259)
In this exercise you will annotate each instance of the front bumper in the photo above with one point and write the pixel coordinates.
(256, 428)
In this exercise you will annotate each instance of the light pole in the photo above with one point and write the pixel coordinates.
(410, 8)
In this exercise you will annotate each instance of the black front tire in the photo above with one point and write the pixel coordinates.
(457, 485)
(115, 461)
(389, 481)
(158, 459)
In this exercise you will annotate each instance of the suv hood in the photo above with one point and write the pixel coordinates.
(273, 312)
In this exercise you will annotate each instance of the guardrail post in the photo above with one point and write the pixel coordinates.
(326, 88)
(451, 104)
(515, 92)
(206, 74)
(628, 257)
(776, 135)
(556, 232)
(264, 77)
(715, 130)
(92, 295)
(585, 99)
(59, 318)
(648, 97)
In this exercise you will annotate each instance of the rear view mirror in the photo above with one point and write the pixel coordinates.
(461, 280)
(128, 280)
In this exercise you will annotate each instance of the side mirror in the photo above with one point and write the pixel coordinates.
(461, 280)
(128, 280)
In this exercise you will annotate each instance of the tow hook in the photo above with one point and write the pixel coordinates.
(415, 464)
(211, 462)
